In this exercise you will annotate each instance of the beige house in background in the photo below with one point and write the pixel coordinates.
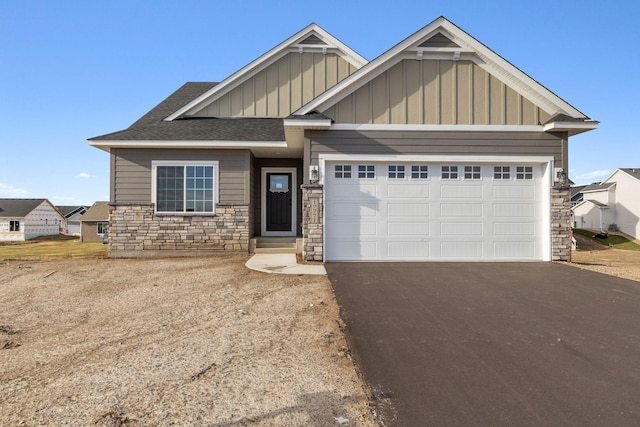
(94, 223)
(438, 149)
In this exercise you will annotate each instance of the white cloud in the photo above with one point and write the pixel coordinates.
(84, 175)
(9, 191)
(594, 175)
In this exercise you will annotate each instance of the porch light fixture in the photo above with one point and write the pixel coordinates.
(314, 174)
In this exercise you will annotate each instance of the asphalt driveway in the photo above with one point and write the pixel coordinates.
(493, 343)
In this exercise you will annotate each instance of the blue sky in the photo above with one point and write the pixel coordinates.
(71, 70)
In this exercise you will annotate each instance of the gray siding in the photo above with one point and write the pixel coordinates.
(132, 172)
(437, 143)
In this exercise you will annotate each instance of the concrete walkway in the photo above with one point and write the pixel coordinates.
(282, 264)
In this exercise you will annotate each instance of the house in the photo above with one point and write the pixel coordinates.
(72, 216)
(95, 223)
(438, 149)
(24, 219)
(576, 194)
(612, 204)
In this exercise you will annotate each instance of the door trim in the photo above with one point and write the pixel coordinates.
(263, 201)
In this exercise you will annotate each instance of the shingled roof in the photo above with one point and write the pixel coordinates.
(634, 172)
(18, 208)
(152, 127)
(98, 212)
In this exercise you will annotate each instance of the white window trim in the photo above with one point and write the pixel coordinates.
(294, 202)
(216, 184)
(547, 163)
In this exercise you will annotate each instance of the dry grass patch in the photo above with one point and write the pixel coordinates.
(51, 248)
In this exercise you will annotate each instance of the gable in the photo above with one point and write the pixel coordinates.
(281, 80)
(441, 75)
(282, 87)
(436, 92)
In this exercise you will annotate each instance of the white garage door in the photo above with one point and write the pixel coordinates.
(433, 211)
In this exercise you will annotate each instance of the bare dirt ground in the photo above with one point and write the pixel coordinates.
(189, 341)
(615, 262)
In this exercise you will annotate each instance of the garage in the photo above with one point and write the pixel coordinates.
(453, 210)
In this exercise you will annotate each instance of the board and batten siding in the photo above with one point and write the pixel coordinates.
(436, 92)
(436, 143)
(282, 87)
(132, 167)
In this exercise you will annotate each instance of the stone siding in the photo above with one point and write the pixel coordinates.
(312, 240)
(136, 231)
(560, 224)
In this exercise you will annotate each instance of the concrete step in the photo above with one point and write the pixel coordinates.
(275, 245)
(275, 250)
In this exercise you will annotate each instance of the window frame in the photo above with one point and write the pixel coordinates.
(104, 230)
(398, 172)
(14, 225)
(419, 172)
(367, 171)
(524, 175)
(503, 170)
(473, 174)
(449, 172)
(215, 164)
(343, 171)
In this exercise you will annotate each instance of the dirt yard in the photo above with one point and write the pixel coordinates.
(615, 262)
(190, 341)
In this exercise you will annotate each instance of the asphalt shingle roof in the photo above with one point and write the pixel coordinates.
(98, 212)
(18, 208)
(151, 126)
(596, 187)
(634, 172)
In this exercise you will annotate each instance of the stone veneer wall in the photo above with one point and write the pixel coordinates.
(136, 231)
(560, 224)
(312, 240)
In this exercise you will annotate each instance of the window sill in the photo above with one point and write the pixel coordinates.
(184, 213)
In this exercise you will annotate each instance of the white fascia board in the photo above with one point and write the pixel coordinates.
(572, 127)
(444, 128)
(189, 144)
(308, 124)
(265, 60)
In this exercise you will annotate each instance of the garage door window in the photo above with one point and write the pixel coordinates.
(342, 171)
(524, 172)
(472, 172)
(366, 171)
(449, 172)
(396, 171)
(502, 172)
(419, 172)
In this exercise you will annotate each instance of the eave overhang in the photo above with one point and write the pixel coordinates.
(573, 128)
(108, 145)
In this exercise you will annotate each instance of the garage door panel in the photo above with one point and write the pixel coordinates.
(350, 249)
(399, 210)
(407, 191)
(461, 250)
(361, 191)
(407, 228)
(354, 228)
(408, 250)
(513, 210)
(511, 250)
(461, 210)
(511, 192)
(461, 229)
(450, 191)
(353, 209)
(514, 229)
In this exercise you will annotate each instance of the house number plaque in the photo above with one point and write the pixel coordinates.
(314, 213)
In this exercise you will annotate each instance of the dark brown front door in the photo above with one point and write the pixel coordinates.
(279, 197)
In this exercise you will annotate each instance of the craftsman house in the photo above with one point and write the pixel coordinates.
(439, 149)
(24, 219)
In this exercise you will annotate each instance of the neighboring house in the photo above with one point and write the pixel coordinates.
(72, 216)
(24, 219)
(613, 204)
(439, 149)
(95, 223)
(576, 194)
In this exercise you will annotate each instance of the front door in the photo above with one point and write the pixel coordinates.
(279, 202)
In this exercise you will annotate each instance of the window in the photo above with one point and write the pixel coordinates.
(366, 171)
(14, 225)
(524, 172)
(185, 188)
(501, 172)
(472, 172)
(103, 227)
(449, 172)
(342, 171)
(420, 172)
(396, 171)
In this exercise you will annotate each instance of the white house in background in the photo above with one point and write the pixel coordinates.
(612, 204)
(24, 219)
(72, 216)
